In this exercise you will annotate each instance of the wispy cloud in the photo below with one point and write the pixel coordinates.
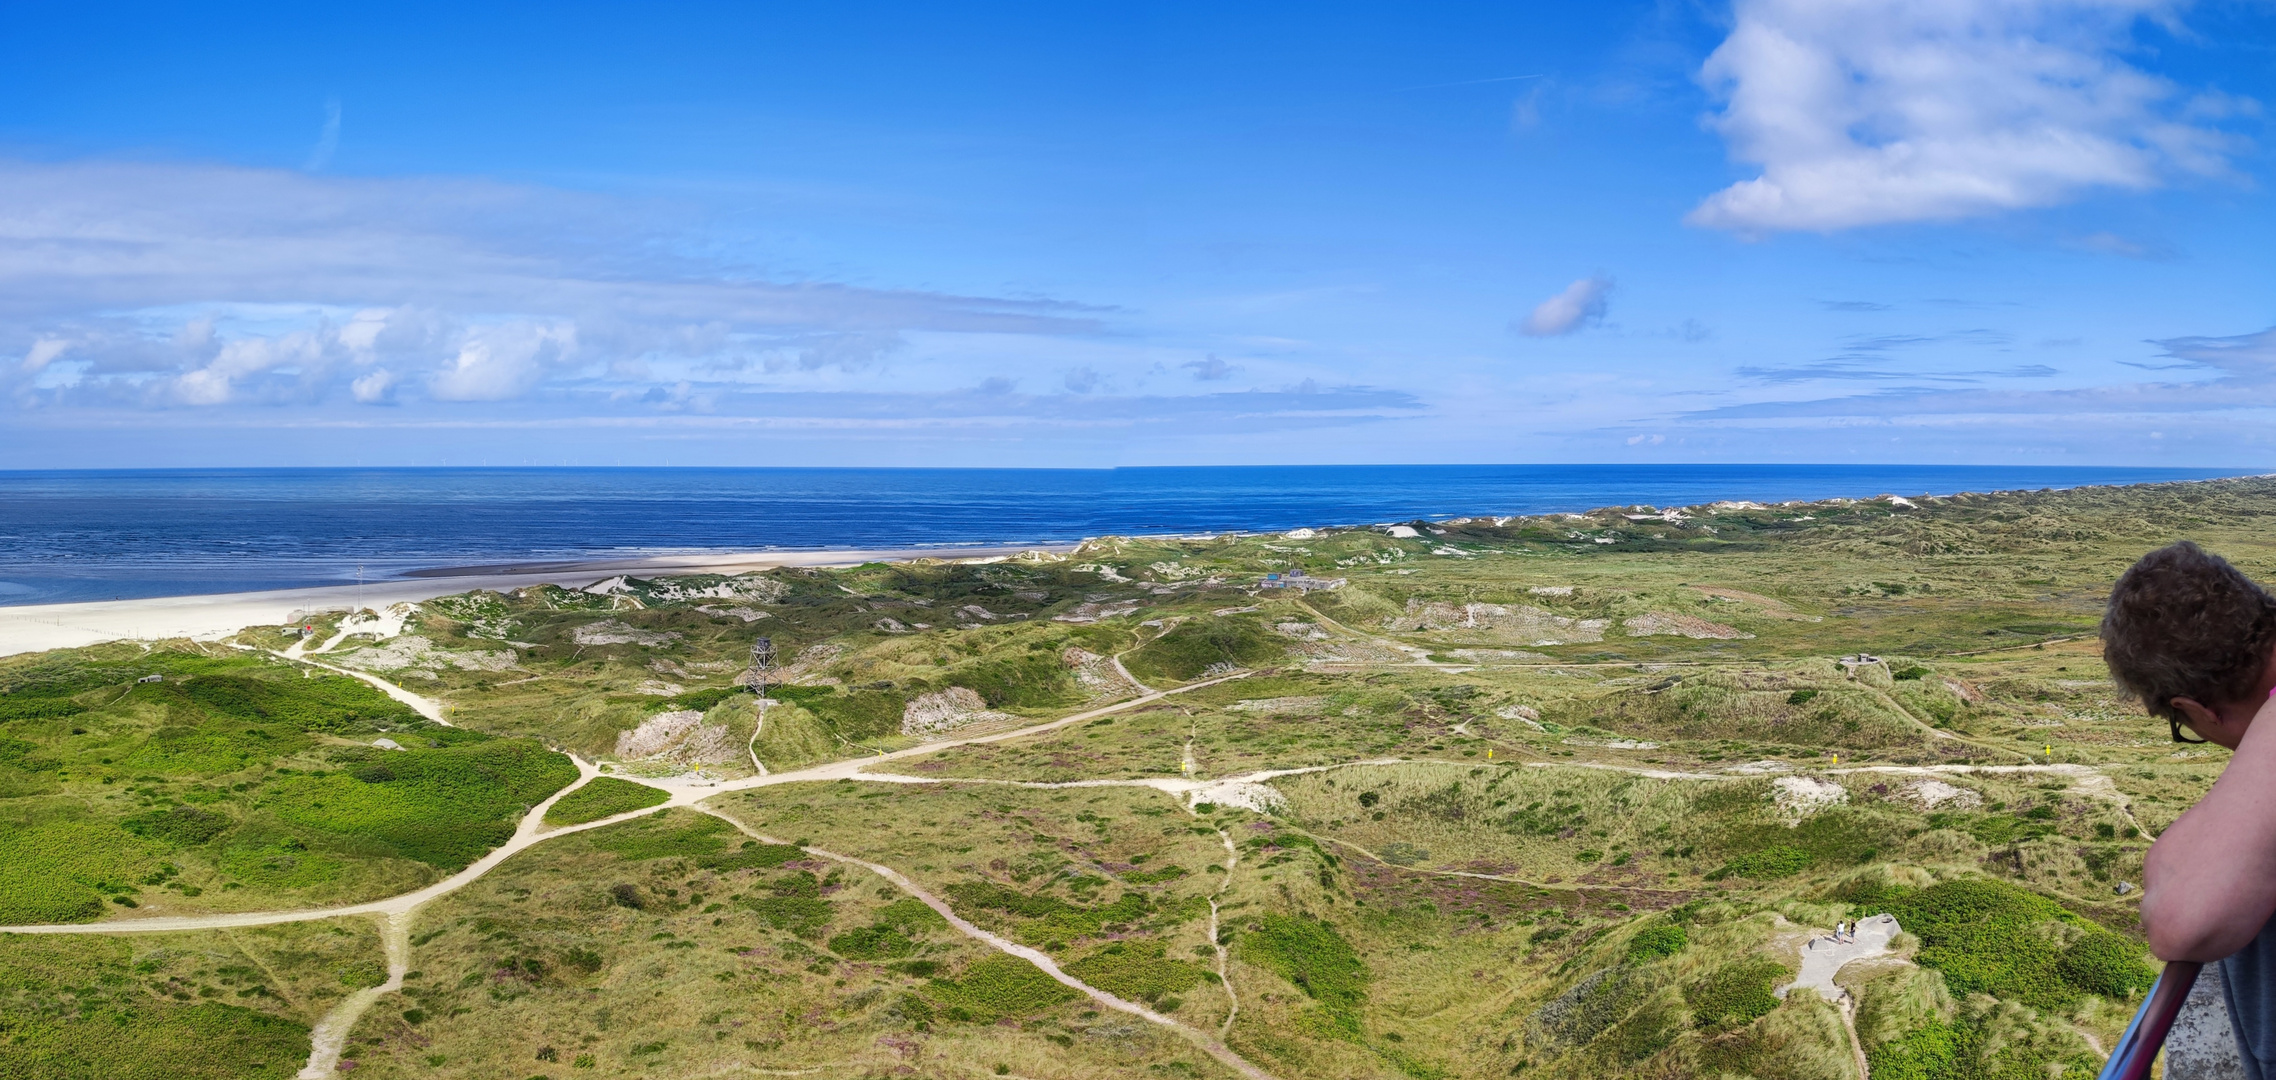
(1209, 368)
(1582, 304)
(166, 285)
(2243, 366)
(1871, 112)
(327, 140)
(1850, 370)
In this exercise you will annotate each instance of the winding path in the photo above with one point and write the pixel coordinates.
(330, 1034)
(396, 913)
(1209, 1044)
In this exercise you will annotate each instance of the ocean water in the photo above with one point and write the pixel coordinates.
(68, 536)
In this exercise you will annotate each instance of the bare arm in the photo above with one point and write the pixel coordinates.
(2209, 884)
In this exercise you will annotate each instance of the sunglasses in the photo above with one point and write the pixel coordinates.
(2175, 721)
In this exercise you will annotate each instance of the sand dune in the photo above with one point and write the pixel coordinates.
(37, 627)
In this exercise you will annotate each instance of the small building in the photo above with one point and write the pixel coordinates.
(1298, 579)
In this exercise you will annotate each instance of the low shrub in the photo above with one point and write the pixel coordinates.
(1309, 953)
(1048, 918)
(1136, 970)
(1196, 645)
(1990, 937)
(444, 806)
(699, 838)
(57, 866)
(183, 825)
(873, 943)
(796, 905)
(1654, 942)
(1775, 861)
(192, 1042)
(996, 987)
(602, 797)
(1735, 995)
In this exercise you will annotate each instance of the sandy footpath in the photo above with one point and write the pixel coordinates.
(38, 627)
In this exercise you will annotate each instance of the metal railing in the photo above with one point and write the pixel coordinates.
(2137, 1048)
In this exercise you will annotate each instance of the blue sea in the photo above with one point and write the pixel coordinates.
(67, 536)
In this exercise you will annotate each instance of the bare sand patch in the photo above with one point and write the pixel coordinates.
(679, 736)
(615, 632)
(1799, 798)
(1661, 622)
(943, 711)
(1530, 625)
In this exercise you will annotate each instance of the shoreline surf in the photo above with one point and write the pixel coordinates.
(79, 537)
(40, 627)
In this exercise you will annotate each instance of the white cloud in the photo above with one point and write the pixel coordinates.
(156, 285)
(374, 388)
(43, 352)
(1865, 112)
(1581, 304)
(500, 362)
(216, 382)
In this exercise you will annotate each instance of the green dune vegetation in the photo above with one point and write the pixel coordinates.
(1548, 797)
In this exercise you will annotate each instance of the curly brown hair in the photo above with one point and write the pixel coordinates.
(2182, 622)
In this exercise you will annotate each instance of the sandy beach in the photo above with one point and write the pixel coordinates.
(38, 627)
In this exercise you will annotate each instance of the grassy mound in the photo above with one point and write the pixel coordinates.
(997, 987)
(442, 806)
(604, 797)
(61, 862)
(1197, 645)
(190, 1042)
(1137, 970)
(1989, 937)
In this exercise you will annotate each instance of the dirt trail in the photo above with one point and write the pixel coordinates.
(1207, 1043)
(424, 706)
(1217, 939)
(330, 1036)
(757, 727)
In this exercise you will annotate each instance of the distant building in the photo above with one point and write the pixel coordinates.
(1299, 580)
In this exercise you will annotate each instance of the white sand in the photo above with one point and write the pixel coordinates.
(38, 627)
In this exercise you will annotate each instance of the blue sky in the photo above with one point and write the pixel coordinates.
(1939, 231)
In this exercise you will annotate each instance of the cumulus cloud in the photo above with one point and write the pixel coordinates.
(1581, 304)
(374, 388)
(1083, 380)
(1867, 112)
(501, 362)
